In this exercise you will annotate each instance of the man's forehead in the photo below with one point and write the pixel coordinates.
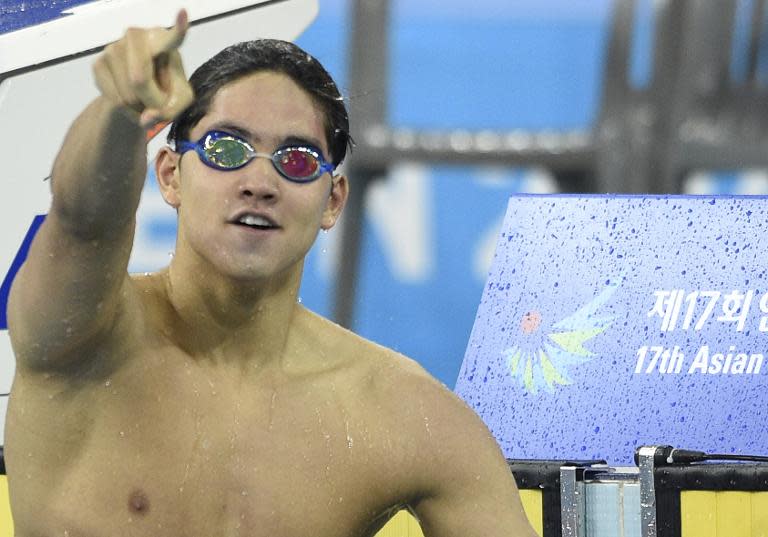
(267, 91)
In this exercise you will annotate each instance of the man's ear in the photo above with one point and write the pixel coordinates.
(337, 199)
(168, 176)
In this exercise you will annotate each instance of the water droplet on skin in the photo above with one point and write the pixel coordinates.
(272, 410)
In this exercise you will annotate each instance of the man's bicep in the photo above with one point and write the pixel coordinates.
(486, 505)
(472, 492)
(66, 292)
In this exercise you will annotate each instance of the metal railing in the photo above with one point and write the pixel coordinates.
(691, 115)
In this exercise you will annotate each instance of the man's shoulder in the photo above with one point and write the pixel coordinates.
(398, 383)
(385, 365)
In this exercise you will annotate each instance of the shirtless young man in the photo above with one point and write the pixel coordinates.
(203, 400)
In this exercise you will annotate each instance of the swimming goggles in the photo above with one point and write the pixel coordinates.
(224, 151)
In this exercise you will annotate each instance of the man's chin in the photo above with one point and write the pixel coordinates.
(258, 274)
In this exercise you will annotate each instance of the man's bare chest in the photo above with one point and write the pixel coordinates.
(200, 454)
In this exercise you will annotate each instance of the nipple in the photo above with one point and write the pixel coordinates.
(138, 502)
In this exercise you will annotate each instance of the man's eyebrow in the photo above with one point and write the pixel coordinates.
(240, 130)
(233, 128)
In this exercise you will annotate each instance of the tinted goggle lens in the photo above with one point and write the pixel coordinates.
(296, 162)
(227, 153)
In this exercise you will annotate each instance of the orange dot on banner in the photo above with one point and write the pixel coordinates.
(530, 322)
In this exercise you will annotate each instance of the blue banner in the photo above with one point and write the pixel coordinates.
(609, 322)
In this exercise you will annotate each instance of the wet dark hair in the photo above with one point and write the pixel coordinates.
(242, 59)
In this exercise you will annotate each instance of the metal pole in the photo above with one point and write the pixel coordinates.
(368, 70)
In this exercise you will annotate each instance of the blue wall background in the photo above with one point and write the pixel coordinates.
(529, 64)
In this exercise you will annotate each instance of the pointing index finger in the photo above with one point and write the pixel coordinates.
(166, 40)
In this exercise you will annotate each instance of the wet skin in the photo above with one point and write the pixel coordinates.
(174, 444)
(210, 403)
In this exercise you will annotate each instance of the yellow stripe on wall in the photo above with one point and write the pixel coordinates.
(734, 514)
(403, 524)
(760, 514)
(724, 514)
(6, 522)
(698, 513)
(534, 510)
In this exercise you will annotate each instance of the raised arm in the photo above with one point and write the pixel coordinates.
(71, 288)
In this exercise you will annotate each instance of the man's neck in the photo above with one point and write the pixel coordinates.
(232, 321)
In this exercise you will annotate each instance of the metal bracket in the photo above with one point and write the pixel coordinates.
(647, 465)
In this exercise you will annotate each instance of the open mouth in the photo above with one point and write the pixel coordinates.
(256, 222)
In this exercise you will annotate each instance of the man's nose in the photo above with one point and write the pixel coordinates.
(259, 179)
